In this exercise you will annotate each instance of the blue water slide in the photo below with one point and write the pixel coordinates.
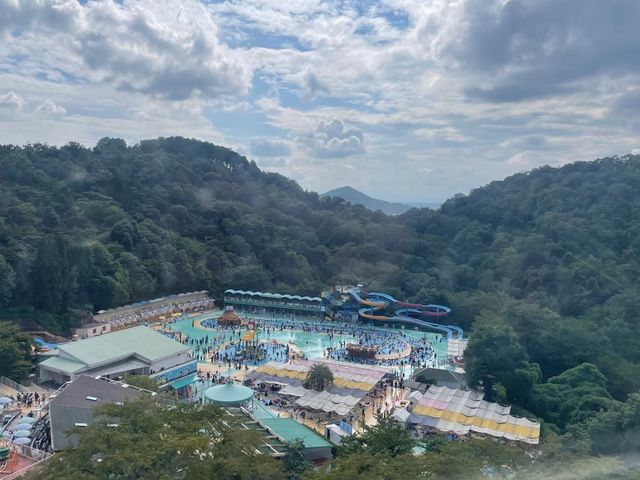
(408, 311)
(382, 296)
(446, 329)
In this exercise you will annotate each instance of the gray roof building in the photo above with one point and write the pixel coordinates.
(73, 405)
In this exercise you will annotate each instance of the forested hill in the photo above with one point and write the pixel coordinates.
(548, 258)
(96, 228)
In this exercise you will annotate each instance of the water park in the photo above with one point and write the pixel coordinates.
(256, 355)
(345, 324)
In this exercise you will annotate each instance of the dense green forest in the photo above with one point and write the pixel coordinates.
(541, 268)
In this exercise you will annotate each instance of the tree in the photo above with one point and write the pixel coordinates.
(141, 381)
(495, 356)
(294, 461)
(319, 377)
(385, 438)
(15, 352)
(7, 282)
(51, 275)
(366, 465)
(149, 440)
(573, 396)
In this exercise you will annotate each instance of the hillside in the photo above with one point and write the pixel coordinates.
(545, 262)
(355, 197)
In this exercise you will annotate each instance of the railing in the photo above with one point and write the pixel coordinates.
(38, 456)
(15, 385)
(267, 304)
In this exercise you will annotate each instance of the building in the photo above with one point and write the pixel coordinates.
(229, 395)
(354, 386)
(92, 329)
(464, 412)
(138, 350)
(280, 304)
(156, 310)
(73, 405)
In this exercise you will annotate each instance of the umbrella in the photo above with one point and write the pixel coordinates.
(22, 441)
(21, 433)
(27, 420)
(24, 426)
(6, 400)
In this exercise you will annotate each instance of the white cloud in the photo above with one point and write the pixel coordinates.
(143, 47)
(48, 107)
(466, 90)
(11, 100)
(332, 140)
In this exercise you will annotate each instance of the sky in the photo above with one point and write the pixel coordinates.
(410, 101)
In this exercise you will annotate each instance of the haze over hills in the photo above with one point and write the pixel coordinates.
(356, 197)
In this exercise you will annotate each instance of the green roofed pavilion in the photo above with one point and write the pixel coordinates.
(183, 382)
(229, 394)
(288, 430)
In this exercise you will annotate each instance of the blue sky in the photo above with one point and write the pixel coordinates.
(405, 100)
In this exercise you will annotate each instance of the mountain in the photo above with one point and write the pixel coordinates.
(541, 268)
(355, 197)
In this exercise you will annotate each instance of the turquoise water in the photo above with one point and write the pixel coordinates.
(312, 344)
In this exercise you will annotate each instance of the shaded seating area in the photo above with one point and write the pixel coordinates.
(464, 412)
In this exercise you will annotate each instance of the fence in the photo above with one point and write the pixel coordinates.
(38, 456)
(16, 386)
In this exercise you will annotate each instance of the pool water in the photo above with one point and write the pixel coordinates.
(312, 344)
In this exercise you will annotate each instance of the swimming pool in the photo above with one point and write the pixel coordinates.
(312, 344)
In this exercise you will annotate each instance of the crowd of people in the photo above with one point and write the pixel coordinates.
(225, 345)
(29, 400)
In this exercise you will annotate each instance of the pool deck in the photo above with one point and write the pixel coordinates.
(312, 344)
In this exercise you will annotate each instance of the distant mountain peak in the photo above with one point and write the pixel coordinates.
(356, 197)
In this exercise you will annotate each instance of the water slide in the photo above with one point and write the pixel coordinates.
(362, 301)
(376, 301)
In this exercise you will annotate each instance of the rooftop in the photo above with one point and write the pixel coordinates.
(141, 341)
(273, 296)
(82, 391)
(288, 430)
(228, 393)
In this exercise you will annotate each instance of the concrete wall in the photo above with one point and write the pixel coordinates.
(170, 362)
(92, 331)
(45, 375)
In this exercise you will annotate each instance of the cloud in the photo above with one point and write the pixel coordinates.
(536, 48)
(472, 89)
(48, 107)
(529, 142)
(144, 48)
(12, 101)
(265, 147)
(312, 86)
(627, 104)
(333, 140)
